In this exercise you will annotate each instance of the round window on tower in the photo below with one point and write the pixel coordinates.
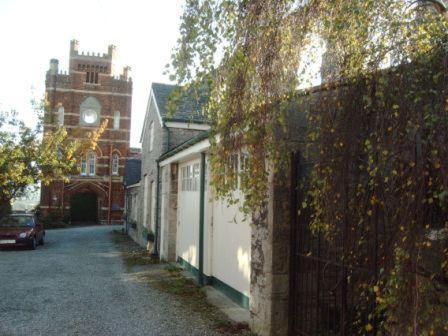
(90, 116)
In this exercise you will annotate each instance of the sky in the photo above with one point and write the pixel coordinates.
(32, 32)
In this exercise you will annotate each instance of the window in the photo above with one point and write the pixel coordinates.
(115, 164)
(61, 116)
(196, 182)
(91, 160)
(83, 167)
(232, 170)
(151, 136)
(116, 120)
(184, 178)
(90, 112)
(92, 75)
(244, 168)
(190, 177)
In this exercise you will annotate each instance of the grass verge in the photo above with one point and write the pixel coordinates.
(168, 278)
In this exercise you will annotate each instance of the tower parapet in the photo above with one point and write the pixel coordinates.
(100, 62)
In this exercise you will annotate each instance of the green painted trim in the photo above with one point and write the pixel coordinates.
(224, 288)
(231, 292)
(190, 268)
(201, 220)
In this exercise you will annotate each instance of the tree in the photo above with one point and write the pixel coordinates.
(389, 167)
(27, 156)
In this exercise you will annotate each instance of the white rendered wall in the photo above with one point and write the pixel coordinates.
(231, 246)
(163, 209)
(188, 221)
(227, 236)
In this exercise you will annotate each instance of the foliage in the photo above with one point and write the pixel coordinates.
(376, 137)
(27, 156)
(54, 219)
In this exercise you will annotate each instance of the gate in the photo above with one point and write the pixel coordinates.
(84, 208)
(325, 298)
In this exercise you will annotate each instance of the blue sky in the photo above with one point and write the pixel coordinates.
(32, 32)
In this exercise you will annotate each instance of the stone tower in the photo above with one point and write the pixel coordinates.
(80, 101)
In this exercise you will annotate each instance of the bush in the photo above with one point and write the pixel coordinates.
(54, 219)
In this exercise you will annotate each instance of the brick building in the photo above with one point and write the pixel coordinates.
(80, 101)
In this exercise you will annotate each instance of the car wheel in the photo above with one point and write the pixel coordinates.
(33, 244)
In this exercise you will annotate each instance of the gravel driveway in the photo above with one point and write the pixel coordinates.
(77, 285)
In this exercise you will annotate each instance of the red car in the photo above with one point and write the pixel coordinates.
(21, 230)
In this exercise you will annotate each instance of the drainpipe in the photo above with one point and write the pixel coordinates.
(155, 251)
(201, 220)
(110, 186)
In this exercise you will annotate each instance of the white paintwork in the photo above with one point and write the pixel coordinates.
(190, 152)
(188, 222)
(163, 204)
(231, 245)
(187, 125)
(227, 236)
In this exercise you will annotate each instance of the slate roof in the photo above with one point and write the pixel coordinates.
(132, 171)
(189, 105)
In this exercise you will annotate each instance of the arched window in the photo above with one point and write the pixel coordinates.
(115, 161)
(91, 162)
(83, 167)
(61, 116)
(116, 120)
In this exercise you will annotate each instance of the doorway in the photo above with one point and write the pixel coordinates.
(84, 208)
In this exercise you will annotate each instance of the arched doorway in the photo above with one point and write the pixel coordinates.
(84, 208)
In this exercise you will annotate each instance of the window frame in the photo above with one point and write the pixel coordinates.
(117, 120)
(91, 162)
(61, 115)
(115, 163)
(83, 167)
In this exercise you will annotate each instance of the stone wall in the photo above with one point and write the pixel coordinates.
(168, 222)
(271, 239)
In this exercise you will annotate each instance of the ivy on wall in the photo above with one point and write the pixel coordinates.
(376, 143)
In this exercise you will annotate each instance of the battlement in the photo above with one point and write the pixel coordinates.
(89, 71)
(74, 52)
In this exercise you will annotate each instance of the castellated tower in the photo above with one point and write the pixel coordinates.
(80, 100)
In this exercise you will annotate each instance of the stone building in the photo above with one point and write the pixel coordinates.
(163, 129)
(80, 101)
(131, 183)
